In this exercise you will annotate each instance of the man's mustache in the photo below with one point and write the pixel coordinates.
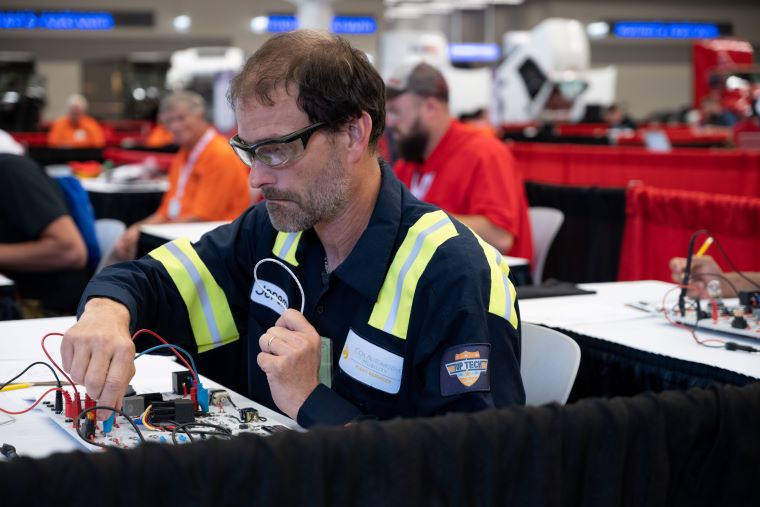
(278, 195)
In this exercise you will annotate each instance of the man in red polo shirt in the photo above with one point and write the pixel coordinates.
(454, 166)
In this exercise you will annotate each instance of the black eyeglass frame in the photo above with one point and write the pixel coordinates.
(303, 134)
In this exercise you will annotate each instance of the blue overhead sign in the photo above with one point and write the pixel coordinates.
(665, 30)
(344, 25)
(281, 23)
(473, 52)
(55, 20)
(354, 25)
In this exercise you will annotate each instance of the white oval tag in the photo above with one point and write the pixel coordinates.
(269, 295)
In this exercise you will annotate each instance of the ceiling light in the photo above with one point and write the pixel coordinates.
(259, 24)
(182, 23)
(598, 30)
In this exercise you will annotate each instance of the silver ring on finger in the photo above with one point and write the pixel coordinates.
(269, 343)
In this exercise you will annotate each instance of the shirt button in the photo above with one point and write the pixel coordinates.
(320, 310)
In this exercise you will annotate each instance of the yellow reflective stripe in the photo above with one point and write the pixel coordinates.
(394, 302)
(502, 298)
(285, 246)
(210, 315)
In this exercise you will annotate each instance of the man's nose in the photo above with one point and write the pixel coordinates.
(260, 175)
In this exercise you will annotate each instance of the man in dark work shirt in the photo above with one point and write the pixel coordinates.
(41, 248)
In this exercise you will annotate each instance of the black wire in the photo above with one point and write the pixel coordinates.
(222, 431)
(731, 264)
(27, 369)
(687, 271)
(86, 411)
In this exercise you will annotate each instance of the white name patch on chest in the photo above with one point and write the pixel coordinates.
(269, 295)
(370, 364)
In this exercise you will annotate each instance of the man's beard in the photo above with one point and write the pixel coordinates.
(322, 200)
(412, 146)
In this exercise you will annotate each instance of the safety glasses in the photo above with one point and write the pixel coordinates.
(275, 152)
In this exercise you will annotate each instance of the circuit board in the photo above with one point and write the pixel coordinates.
(228, 420)
(723, 324)
(724, 320)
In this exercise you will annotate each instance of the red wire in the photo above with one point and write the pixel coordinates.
(137, 333)
(180, 356)
(56, 364)
(35, 403)
(721, 343)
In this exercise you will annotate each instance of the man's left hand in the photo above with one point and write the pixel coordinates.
(290, 357)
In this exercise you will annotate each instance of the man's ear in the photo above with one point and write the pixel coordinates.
(359, 132)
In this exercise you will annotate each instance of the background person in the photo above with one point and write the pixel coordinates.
(41, 249)
(207, 181)
(616, 117)
(704, 266)
(76, 129)
(464, 171)
(159, 136)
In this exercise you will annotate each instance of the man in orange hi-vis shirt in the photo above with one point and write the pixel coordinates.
(207, 181)
(159, 135)
(76, 129)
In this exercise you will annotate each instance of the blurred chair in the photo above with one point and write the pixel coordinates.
(80, 208)
(548, 364)
(107, 231)
(544, 225)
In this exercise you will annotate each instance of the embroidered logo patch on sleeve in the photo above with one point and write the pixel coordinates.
(464, 368)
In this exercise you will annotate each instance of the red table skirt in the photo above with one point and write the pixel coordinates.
(659, 223)
(120, 156)
(733, 172)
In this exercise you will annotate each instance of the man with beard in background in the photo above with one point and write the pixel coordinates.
(457, 167)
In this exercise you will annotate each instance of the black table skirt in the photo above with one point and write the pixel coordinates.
(129, 207)
(609, 369)
(48, 156)
(587, 246)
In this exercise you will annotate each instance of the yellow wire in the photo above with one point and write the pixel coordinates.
(145, 419)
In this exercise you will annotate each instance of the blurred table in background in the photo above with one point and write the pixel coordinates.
(626, 351)
(128, 202)
(153, 236)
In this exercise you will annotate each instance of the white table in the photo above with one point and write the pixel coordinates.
(104, 186)
(35, 434)
(190, 230)
(514, 262)
(604, 316)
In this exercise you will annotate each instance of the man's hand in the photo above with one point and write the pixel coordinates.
(290, 357)
(701, 269)
(98, 352)
(125, 248)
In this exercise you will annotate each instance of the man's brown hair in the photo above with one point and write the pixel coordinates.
(335, 81)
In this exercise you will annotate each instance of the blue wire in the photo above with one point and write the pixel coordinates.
(175, 347)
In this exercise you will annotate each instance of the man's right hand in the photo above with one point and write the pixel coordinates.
(125, 248)
(98, 351)
(701, 269)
